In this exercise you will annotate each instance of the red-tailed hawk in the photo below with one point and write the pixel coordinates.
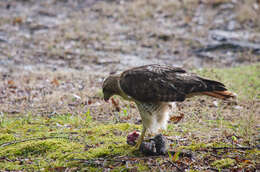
(154, 87)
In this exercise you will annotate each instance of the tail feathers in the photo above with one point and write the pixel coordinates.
(214, 85)
(217, 89)
(220, 94)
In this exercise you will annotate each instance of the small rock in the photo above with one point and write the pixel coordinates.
(76, 96)
(238, 107)
(215, 103)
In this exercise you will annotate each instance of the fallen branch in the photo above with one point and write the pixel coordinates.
(213, 169)
(238, 148)
(176, 166)
(226, 148)
(6, 159)
(31, 139)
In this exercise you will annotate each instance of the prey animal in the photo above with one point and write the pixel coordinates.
(154, 87)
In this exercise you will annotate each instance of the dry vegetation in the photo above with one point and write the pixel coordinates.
(55, 54)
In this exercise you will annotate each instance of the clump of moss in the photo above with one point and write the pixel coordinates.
(223, 163)
(109, 150)
(6, 138)
(40, 147)
(95, 141)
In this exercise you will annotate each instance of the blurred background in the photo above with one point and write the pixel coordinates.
(110, 35)
(52, 48)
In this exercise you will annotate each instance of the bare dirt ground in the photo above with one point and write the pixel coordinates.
(54, 54)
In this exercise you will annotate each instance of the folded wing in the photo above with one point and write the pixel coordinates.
(153, 83)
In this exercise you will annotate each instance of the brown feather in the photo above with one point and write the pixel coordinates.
(155, 83)
(220, 94)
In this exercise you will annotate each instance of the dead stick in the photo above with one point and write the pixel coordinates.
(241, 148)
(176, 166)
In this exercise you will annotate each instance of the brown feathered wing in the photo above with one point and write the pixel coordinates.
(154, 83)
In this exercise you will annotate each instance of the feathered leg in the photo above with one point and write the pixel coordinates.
(140, 140)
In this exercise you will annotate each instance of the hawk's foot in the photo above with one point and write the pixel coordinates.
(138, 144)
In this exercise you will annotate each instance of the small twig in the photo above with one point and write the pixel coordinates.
(176, 166)
(41, 138)
(182, 154)
(214, 169)
(239, 148)
(226, 148)
(7, 159)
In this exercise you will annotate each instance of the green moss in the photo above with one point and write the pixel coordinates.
(223, 163)
(195, 146)
(6, 165)
(6, 138)
(103, 140)
(109, 150)
(92, 169)
(40, 147)
(199, 145)
(142, 167)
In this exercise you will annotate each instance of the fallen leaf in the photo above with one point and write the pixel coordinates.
(55, 82)
(177, 119)
(247, 161)
(238, 107)
(76, 96)
(175, 157)
(115, 104)
(11, 84)
(17, 20)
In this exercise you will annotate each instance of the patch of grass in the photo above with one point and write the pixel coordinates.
(223, 163)
(6, 138)
(29, 142)
(39, 148)
(43, 143)
(246, 12)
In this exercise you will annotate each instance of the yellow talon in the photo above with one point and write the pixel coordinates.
(140, 140)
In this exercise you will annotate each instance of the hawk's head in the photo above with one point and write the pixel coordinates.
(110, 86)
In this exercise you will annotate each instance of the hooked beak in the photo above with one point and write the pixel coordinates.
(107, 96)
(106, 99)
